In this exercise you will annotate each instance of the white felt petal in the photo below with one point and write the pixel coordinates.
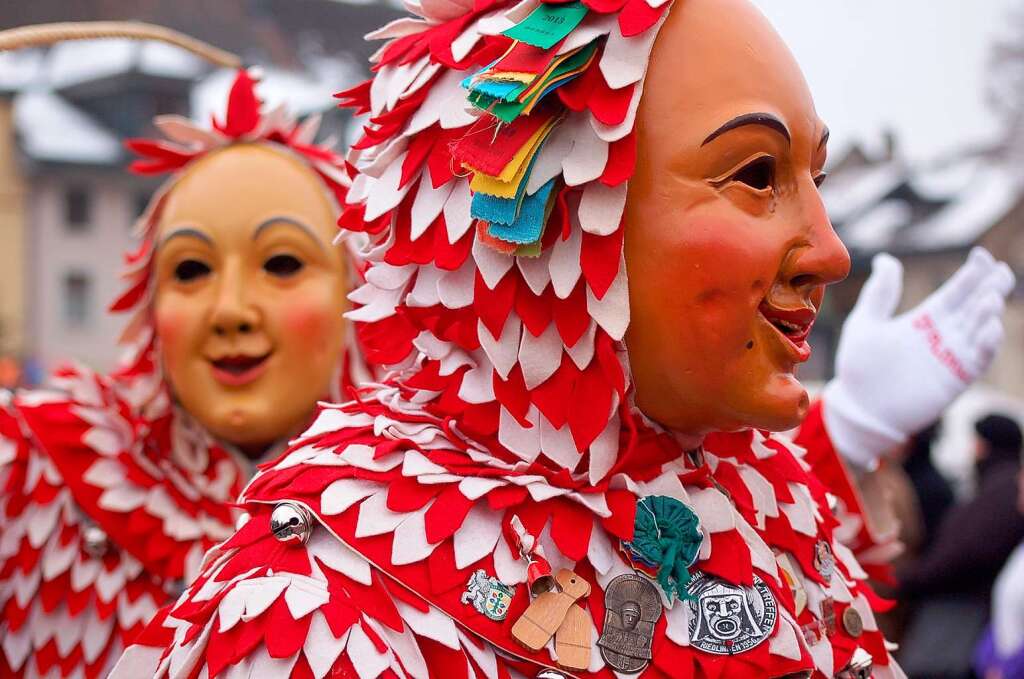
(388, 277)
(185, 131)
(260, 593)
(475, 487)
(381, 306)
(601, 208)
(714, 510)
(478, 383)
(410, 545)
(457, 112)
(304, 596)
(492, 264)
(427, 205)
(379, 89)
(385, 194)
(337, 556)
(784, 642)
(624, 60)
(399, 28)
(678, 628)
(600, 553)
(535, 271)
(565, 262)
(321, 647)
(375, 518)
(539, 357)
(377, 161)
(612, 311)
(429, 112)
(344, 493)
(593, 26)
(457, 216)
(499, 22)
(589, 155)
(503, 352)
(463, 44)
(761, 491)
(428, 72)
(582, 353)
(431, 624)
(549, 159)
(761, 554)
(523, 442)
(604, 450)
(424, 291)
(558, 444)
(367, 661)
(455, 288)
(509, 568)
(477, 535)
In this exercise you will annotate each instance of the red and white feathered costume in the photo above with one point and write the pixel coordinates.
(109, 492)
(513, 401)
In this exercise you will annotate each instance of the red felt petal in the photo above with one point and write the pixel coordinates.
(571, 526)
(589, 407)
(610, 106)
(571, 316)
(446, 515)
(552, 397)
(243, 114)
(599, 259)
(494, 306)
(621, 160)
(638, 17)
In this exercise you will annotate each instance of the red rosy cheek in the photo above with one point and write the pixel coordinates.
(307, 323)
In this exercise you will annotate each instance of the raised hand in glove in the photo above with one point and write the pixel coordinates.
(897, 374)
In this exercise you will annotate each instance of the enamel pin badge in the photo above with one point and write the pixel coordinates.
(488, 595)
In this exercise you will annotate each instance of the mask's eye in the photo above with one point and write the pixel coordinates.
(819, 179)
(190, 270)
(758, 174)
(283, 266)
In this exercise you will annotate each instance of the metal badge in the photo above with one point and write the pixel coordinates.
(828, 615)
(726, 618)
(824, 561)
(95, 541)
(488, 595)
(632, 609)
(860, 667)
(852, 622)
(290, 522)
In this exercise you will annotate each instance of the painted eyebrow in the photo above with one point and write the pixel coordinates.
(764, 119)
(187, 232)
(274, 221)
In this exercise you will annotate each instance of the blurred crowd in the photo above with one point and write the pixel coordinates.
(959, 584)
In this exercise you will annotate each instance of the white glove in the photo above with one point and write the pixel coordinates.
(896, 375)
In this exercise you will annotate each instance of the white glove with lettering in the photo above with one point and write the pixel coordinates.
(897, 374)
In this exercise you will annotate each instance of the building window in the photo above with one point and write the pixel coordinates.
(77, 294)
(77, 208)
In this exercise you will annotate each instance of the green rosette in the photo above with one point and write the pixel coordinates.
(666, 536)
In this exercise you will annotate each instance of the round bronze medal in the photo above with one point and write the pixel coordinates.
(852, 622)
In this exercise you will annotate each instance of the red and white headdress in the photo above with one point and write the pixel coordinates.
(519, 325)
(187, 142)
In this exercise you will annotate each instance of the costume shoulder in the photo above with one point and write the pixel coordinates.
(413, 561)
(91, 544)
(873, 538)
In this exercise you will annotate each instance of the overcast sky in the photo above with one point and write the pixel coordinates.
(917, 66)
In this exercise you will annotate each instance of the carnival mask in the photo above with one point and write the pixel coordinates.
(728, 246)
(249, 293)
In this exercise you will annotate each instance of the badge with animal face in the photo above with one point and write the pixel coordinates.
(488, 595)
(632, 608)
(726, 618)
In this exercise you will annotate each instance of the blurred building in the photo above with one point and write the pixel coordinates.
(67, 202)
(930, 217)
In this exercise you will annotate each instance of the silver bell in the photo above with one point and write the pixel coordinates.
(861, 666)
(95, 541)
(291, 522)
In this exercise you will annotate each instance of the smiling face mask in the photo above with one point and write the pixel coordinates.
(727, 243)
(249, 293)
